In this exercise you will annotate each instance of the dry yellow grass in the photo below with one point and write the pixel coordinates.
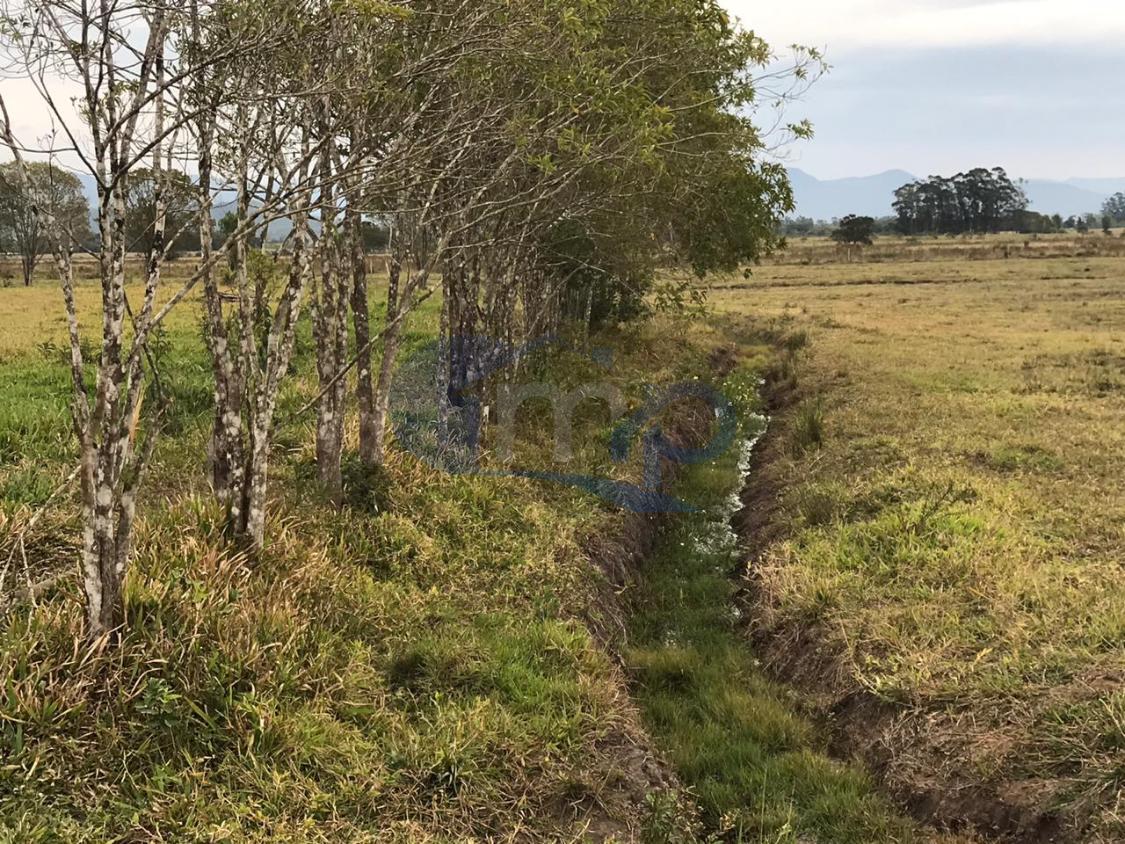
(957, 541)
(34, 315)
(821, 250)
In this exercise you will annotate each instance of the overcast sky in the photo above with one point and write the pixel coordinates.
(935, 86)
(929, 86)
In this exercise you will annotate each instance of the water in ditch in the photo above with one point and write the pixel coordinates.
(755, 768)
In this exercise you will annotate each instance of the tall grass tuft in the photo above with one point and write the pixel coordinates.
(808, 427)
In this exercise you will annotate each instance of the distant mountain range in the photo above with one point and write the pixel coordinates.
(825, 199)
(221, 205)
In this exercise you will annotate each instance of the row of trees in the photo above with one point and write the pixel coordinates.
(1024, 222)
(977, 201)
(532, 161)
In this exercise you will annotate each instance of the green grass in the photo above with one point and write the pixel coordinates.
(371, 675)
(756, 766)
(808, 427)
(418, 666)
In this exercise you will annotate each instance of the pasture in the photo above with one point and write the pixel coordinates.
(934, 590)
(938, 552)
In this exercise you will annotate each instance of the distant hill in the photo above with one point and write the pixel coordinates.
(1065, 198)
(826, 199)
(830, 198)
(1104, 186)
(221, 206)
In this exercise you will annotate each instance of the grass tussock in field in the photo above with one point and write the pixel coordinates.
(953, 547)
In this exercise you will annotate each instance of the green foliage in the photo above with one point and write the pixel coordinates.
(855, 231)
(682, 178)
(180, 203)
(25, 203)
(593, 295)
(730, 215)
(979, 200)
(1114, 208)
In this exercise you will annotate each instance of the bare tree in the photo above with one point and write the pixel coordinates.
(135, 63)
(279, 145)
(248, 116)
(119, 55)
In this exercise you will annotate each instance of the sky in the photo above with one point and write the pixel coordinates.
(927, 86)
(938, 86)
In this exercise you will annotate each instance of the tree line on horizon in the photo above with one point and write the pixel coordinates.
(44, 185)
(978, 201)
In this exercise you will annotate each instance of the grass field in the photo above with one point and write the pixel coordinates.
(949, 526)
(936, 568)
(419, 666)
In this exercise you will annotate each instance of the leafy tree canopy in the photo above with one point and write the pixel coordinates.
(25, 203)
(855, 230)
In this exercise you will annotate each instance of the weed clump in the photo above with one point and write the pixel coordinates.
(367, 489)
(818, 506)
(808, 427)
(795, 341)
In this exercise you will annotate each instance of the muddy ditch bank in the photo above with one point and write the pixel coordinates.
(861, 726)
(618, 554)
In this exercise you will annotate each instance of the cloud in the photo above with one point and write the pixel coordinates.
(846, 26)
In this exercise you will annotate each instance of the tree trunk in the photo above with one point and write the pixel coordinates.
(382, 397)
(443, 362)
(369, 438)
(332, 346)
(252, 528)
(226, 433)
(101, 582)
(247, 507)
